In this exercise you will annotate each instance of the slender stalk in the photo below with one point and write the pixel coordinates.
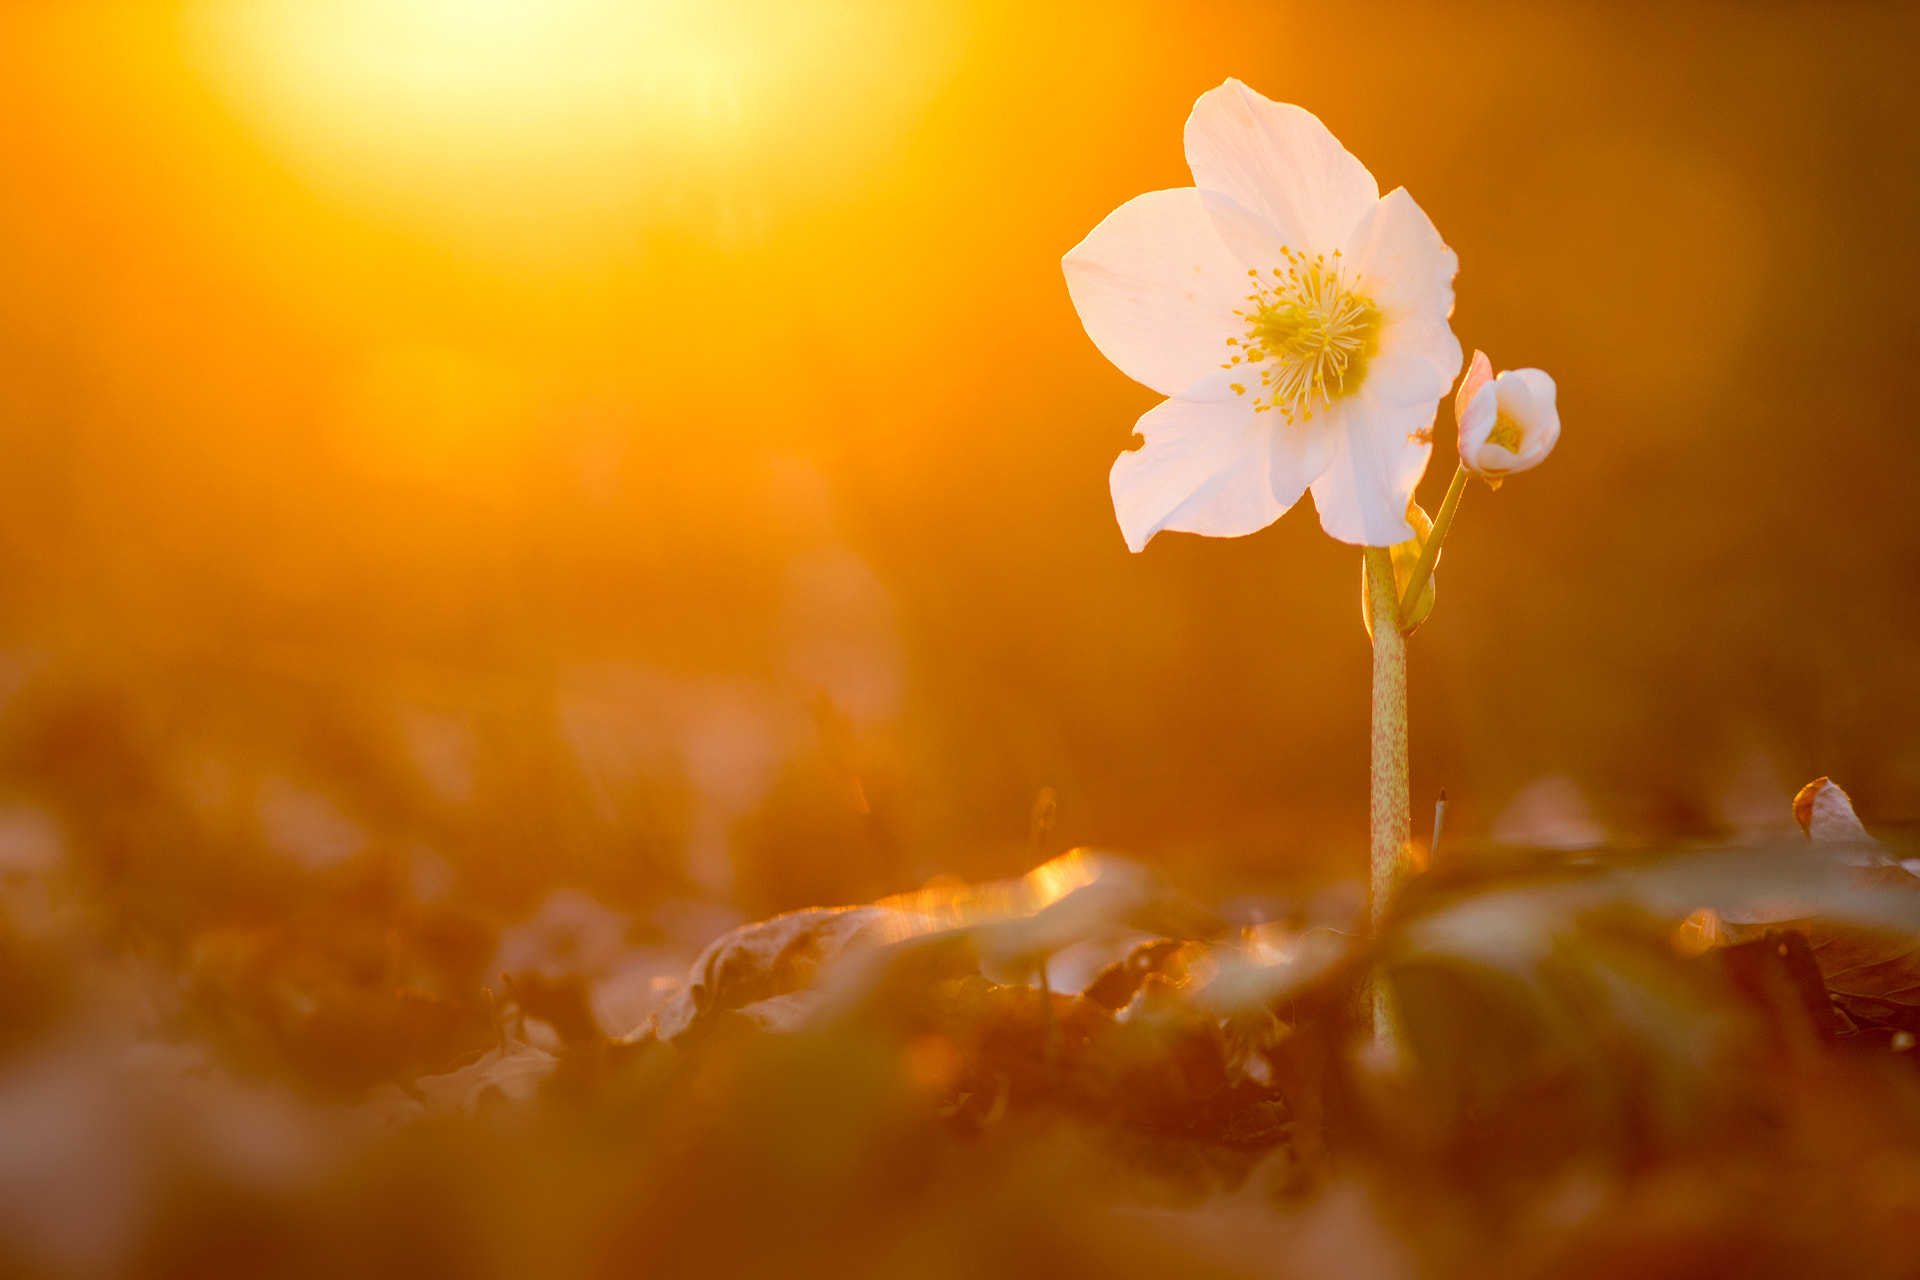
(1431, 552)
(1392, 823)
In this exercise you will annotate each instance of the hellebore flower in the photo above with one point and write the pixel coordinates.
(1508, 423)
(1296, 318)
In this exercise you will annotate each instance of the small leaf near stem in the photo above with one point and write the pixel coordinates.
(1430, 553)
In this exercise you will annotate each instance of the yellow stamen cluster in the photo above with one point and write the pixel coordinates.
(1310, 335)
(1506, 433)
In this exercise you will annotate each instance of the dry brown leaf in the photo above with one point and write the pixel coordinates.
(1872, 976)
(1825, 813)
(1803, 804)
(515, 1072)
(758, 962)
(1115, 986)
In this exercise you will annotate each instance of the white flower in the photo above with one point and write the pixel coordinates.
(1323, 370)
(1508, 423)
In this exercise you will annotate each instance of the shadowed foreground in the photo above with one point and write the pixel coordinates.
(1599, 1074)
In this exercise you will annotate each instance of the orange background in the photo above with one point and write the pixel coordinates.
(746, 533)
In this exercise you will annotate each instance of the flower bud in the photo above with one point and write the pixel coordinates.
(1507, 424)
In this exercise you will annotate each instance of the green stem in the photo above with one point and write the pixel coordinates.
(1430, 553)
(1391, 821)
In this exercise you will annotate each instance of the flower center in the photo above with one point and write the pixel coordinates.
(1309, 334)
(1506, 433)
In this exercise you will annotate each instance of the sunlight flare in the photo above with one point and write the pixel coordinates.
(524, 121)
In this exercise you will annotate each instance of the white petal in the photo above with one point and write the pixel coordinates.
(1213, 466)
(1516, 404)
(1404, 377)
(1476, 422)
(1479, 374)
(1527, 396)
(1248, 236)
(1430, 339)
(1301, 452)
(1278, 162)
(1380, 453)
(1157, 290)
(1395, 257)
(1492, 460)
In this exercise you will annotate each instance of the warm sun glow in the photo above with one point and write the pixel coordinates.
(584, 692)
(517, 121)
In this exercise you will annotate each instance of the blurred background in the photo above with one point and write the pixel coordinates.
(457, 450)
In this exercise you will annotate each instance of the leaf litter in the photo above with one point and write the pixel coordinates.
(1699, 1060)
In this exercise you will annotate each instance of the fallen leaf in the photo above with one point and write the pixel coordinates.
(515, 1072)
(758, 962)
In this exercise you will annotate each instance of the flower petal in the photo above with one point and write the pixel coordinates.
(1476, 420)
(1380, 453)
(1278, 162)
(1157, 290)
(1256, 242)
(1396, 258)
(1527, 396)
(1212, 465)
(1406, 377)
(1479, 374)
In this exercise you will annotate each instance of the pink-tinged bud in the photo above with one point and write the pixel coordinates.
(1508, 423)
(1479, 374)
